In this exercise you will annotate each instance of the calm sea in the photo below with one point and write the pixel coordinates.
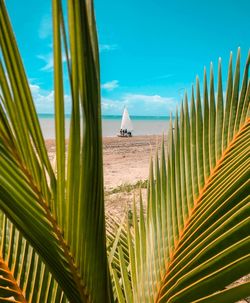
(143, 125)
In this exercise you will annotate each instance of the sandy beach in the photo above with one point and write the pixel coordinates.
(126, 160)
(126, 164)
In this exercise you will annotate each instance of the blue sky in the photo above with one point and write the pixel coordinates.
(150, 50)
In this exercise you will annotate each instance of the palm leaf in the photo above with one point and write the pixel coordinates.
(61, 216)
(24, 276)
(204, 205)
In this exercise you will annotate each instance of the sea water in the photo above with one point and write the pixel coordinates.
(143, 125)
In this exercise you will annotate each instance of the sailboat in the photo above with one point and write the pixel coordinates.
(126, 125)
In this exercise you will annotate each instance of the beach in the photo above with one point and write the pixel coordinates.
(126, 165)
(126, 160)
(126, 169)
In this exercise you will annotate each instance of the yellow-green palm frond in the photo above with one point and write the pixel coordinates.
(60, 215)
(24, 276)
(196, 238)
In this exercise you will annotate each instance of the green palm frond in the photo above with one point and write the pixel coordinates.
(24, 277)
(60, 215)
(196, 238)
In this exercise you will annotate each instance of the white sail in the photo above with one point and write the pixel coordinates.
(126, 121)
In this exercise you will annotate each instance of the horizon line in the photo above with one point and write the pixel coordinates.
(106, 115)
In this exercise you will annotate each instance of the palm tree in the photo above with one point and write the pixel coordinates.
(194, 239)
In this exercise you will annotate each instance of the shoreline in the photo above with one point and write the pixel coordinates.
(111, 128)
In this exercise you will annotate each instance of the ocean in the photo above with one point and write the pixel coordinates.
(143, 125)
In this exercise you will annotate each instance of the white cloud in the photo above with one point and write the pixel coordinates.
(111, 105)
(49, 61)
(110, 85)
(44, 99)
(107, 47)
(45, 28)
(148, 99)
(140, 104)
(34, 88)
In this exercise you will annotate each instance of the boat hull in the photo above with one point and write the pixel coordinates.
(124, 136)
